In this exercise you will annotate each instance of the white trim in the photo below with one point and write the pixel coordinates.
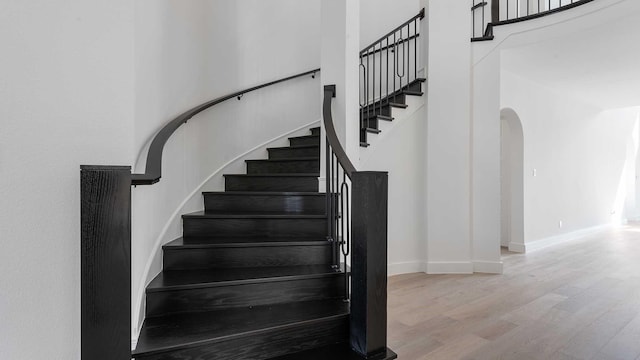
(158, 244)
(488, 267)
(519, 248)
(406, 267)
(563, 238)
(449, 267)
(134, 342)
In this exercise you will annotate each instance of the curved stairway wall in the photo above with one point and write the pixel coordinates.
(174, 72)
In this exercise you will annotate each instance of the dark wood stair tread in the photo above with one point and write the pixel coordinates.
(276, 175)
(384, 117)
(335, 352)
(266, 193)
(398, 105)
(295, 147)
(180, 331)
(250, 215)
(314, 158)
(193, 279)
(212, 242)
(412, 93)
(305, 137)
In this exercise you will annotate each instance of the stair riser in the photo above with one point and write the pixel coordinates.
(239, 183)
(266, 345)
(305, 141)
(234, 257)
(221, 297)
(301, 204)
(286, 227)
(283, 167)
(288, 153)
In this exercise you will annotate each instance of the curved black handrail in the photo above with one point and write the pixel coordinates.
(419, 16)
(332, 137)
(153, 169)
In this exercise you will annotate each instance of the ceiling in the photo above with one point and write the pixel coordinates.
(600, 66)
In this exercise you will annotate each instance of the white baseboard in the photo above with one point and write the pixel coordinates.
(449, 267)
(519, 248)
(563, 238)
(406, 268)
(488, 267)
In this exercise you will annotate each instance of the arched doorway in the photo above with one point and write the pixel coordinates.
(511, 181)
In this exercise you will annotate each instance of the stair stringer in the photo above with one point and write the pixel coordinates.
(387, 128)
(191, 203)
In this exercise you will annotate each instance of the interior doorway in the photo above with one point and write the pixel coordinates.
(511, 181)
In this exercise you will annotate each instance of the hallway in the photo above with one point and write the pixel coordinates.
(576, 300)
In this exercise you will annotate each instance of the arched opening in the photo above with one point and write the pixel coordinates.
(511, 181)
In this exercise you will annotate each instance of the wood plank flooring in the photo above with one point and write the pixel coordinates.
(576, 300)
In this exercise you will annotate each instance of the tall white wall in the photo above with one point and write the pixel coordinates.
(191, 52)
(66, 99)
(378, 17)
(400, 149)
(584, 159)
(448, 162)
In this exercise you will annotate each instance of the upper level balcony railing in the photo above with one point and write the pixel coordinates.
(487, 14)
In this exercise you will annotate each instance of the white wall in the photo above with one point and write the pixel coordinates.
(378, 17)
(400, 149)
(584, 159)
(191, 52)
(448, 138)
(66, 99)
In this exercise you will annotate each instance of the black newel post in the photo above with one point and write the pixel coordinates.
(369, 263)
(105, 244)
(495, 11)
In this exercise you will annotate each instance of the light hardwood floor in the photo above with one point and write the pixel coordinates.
(577, 300)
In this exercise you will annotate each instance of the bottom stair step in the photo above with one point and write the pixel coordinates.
(336, 352)
(260, 332)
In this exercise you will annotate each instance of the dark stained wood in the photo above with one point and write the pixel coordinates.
(203, 224)
(336, 352)
(105, 249)
(284, 166)
(294, 152)
(268, 182)
(274, 290)
(267, 202)
(176, 258)
(258, 332)
(495, 11)
(304, 140)
(369, 263)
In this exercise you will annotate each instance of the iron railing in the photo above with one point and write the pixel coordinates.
(387, 67)
(487, 14)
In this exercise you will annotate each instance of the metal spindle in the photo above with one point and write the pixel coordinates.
(408, 54)
(380, 93)
(415, 48)
(395, 55)
(482, 25)
(387, 74)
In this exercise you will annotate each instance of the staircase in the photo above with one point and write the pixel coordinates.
(381, 110)
(251, 278)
